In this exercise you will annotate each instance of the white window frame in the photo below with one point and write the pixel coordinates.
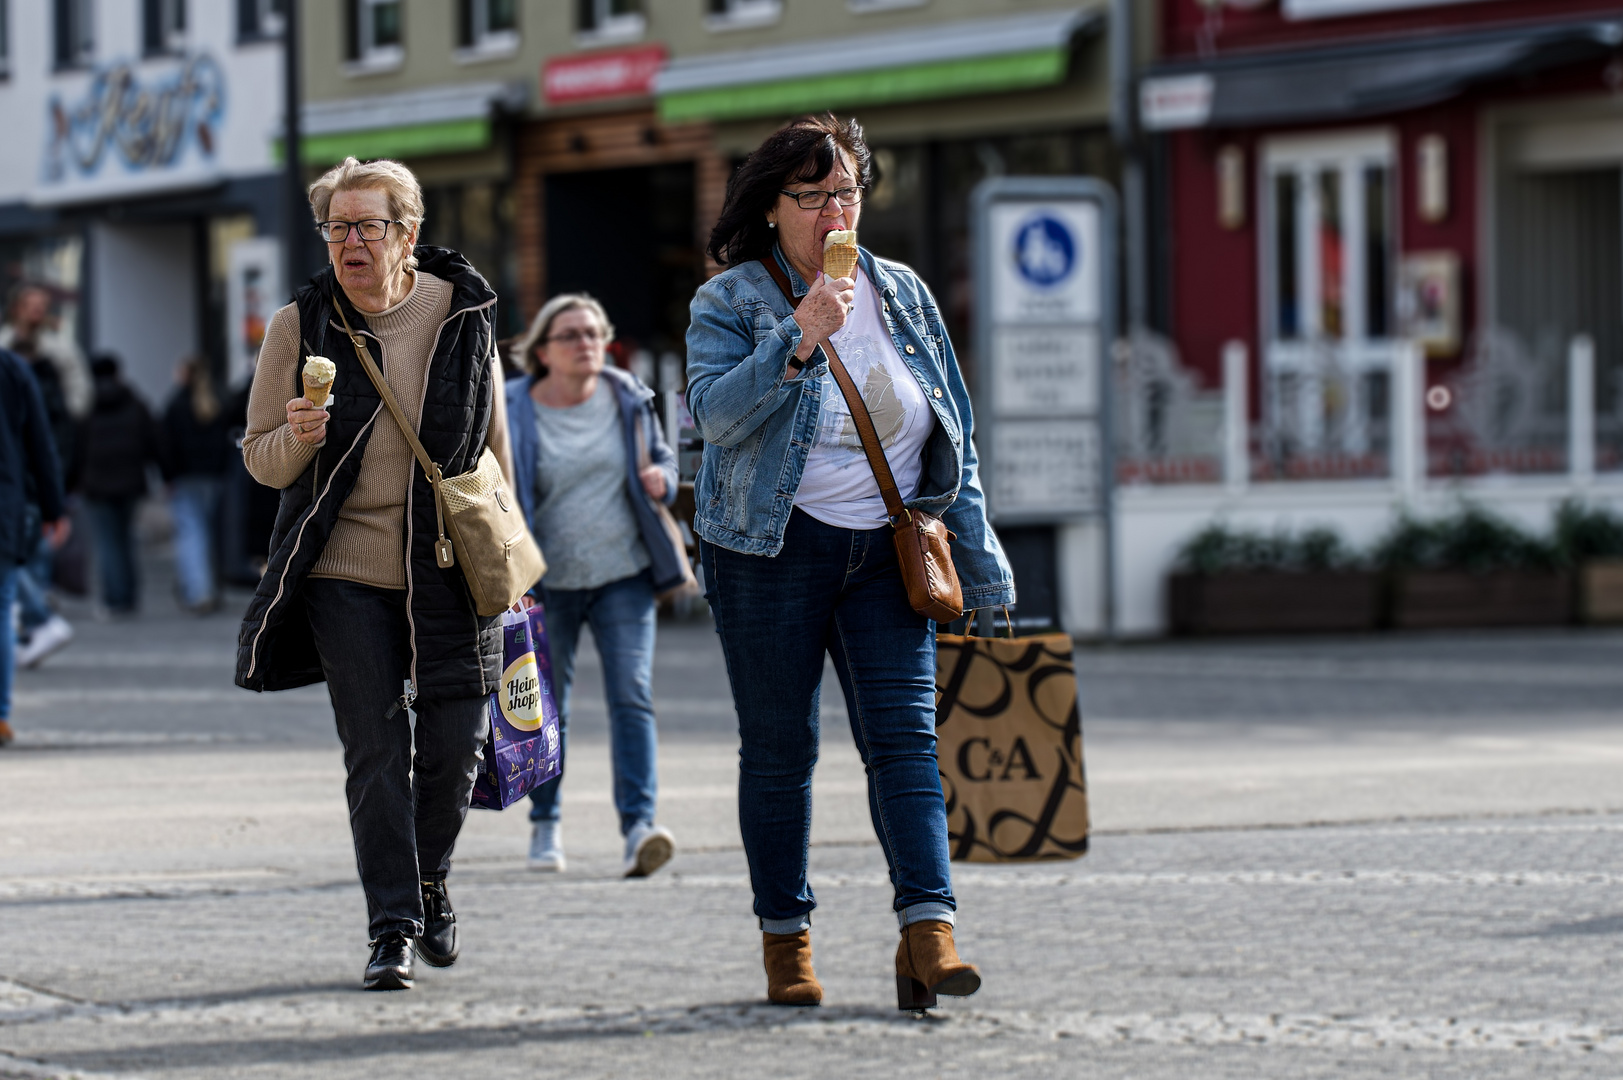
(744, 15)
(488, 44)
(1355, 353)
(372, 58)
(608, 28)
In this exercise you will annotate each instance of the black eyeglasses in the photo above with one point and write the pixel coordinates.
(372, 229)
(816, 200)
(570, 337)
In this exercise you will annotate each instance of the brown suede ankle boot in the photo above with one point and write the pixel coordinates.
(927, 964)
(789, 976)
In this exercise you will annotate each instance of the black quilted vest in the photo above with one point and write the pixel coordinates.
(456, 653)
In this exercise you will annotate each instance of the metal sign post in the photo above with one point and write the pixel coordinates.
(1045, 317)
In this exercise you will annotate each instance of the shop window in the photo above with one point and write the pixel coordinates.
(163, 27)
(739, 14)
(1328, 244)
(5, 39)
(376, 38)
(75, 43)
(258, 20)
(487, 28)
(610, 18)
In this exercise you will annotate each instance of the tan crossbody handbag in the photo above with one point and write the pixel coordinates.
(922, 540)
(481, 526)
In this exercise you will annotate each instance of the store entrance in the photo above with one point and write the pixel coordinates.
(626, 236)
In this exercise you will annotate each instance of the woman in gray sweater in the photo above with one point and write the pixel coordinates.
(589, 461)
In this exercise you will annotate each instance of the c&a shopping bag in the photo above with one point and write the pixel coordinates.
(524, 750)
(1009, 748)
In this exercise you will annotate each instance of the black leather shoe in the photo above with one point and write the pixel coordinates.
(390, 967)
(437, 945)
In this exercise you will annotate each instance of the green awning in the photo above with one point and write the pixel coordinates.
(965, 57)
(412, 140)
(451, 119)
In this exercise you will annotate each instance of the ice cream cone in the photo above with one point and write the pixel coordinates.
(840, 253)
(318, 376)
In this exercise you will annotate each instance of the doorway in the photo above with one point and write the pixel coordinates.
(626, 236)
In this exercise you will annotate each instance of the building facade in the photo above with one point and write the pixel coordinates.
(140, 181)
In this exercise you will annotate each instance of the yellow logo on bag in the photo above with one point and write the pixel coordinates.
(521, 693)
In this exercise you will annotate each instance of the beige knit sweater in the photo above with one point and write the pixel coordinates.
(368, 543)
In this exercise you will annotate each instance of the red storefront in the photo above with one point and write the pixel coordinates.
(1337, 177)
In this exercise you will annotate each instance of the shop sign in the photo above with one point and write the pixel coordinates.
(588, 77)
(1327, 9)
(1043, 307)
(1173, 102)
(127, 134)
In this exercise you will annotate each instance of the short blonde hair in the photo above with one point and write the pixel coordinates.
(397, 183)
(524, 351)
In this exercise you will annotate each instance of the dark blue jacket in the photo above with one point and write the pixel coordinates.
(28, 466)
(667, 561)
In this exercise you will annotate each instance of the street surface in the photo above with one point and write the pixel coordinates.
(1380, 857)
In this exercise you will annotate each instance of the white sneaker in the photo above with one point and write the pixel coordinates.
(546, 847)
(51, 635)
(648, 847)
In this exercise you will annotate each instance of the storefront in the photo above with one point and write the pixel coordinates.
(1346, 176)
(141, 184)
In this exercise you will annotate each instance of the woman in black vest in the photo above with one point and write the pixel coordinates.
(353, 594)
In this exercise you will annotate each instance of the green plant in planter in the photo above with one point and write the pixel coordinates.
(1471, 539)
(1587, 532)
(1219, 549)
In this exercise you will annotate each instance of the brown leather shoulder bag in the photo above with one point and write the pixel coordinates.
(922, 540)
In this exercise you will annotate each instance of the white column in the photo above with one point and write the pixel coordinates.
(1581, 409)
(1236, 416)
(1408, 420)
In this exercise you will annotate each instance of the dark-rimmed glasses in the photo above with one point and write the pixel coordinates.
(816, 200)
(371, 229)
(591, 335)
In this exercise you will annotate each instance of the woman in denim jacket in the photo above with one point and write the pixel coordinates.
(798, 556)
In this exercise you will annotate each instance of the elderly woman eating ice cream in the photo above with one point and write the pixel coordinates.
(353, 595)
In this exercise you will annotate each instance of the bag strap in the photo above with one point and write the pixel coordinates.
(442, 547)
(853, 401)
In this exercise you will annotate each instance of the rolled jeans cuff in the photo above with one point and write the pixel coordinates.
(787, 926)
(933, 909)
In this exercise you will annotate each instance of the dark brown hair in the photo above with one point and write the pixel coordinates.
(802, 151)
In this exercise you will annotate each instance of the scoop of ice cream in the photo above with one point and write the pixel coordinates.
(840, 236)
(318, 369)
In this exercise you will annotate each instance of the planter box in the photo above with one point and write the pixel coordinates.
(1600, 591)
(1457, 598)
(1273, 603)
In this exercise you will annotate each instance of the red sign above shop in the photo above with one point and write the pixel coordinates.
(588, 77)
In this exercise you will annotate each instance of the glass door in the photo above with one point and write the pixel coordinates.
(1328, 238)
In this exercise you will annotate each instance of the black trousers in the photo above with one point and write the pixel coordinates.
(406, 805)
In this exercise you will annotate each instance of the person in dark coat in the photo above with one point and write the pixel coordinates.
(28, 474)
(120, 441)
(197, 455)
(353, 594)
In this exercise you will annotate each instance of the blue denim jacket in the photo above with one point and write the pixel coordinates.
(758, 426)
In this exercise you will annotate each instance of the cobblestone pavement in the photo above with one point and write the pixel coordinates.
(1396, 856)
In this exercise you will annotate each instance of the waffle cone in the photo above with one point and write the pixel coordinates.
(840, 254)
(317, 392)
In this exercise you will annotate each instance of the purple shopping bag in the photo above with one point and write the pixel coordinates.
(524, 750)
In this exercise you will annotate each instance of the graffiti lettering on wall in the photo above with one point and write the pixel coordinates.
(147, 126)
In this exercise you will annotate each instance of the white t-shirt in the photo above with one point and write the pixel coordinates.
(838, 487)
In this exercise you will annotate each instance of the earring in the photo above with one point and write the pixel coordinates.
(772, 224)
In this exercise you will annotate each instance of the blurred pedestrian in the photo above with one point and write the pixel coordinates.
(120, 441)
(31, 330)
(197, 454)
(353, 593)
(589, 460)
(28, 474)
(798, 553)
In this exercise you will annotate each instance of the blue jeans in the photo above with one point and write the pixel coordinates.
(837, 591)
(408, 789)
(8, 637)
(621, 615)
(34, 583)
(193, 504)
(112, 526)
